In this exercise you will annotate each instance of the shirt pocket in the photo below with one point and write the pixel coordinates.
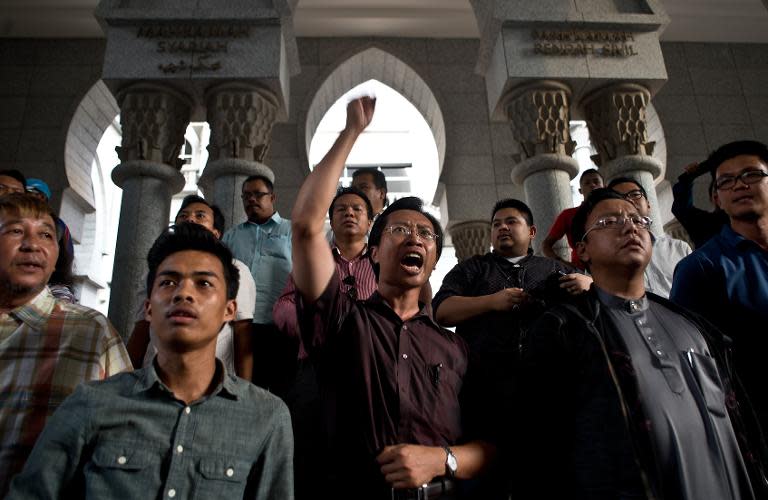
(708, 379)
(221, 477)
(278, 246)
(115, 470)
(440, 386)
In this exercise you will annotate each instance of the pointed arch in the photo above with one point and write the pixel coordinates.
(377, 64)
(95, 113)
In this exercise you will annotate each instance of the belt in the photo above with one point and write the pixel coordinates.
(432, 491)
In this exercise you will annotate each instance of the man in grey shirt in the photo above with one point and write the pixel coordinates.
(182, 426)
(625, 394)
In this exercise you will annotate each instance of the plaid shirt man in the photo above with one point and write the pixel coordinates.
(47, 348)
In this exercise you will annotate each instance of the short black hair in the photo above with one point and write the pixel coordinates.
(517, 205)
(379, 179)
(591, 171)
(621, 180)
(732, 150)
(351, 190)
(580, 219)
(190, 236)
(218, 217)
(262, 178)
(407, 203)
(16, 174)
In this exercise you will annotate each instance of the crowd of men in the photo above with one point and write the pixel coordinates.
(277, 360)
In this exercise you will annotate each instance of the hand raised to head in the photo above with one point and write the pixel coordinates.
(360, 113)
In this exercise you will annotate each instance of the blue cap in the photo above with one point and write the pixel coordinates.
(39, 186)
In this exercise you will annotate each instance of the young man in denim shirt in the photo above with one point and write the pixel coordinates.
(183, 426)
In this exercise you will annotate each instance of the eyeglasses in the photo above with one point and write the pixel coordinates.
(618, 221)
(400, 231)
(748, 177)
(352, 290)
(635, 194)
(257, 194)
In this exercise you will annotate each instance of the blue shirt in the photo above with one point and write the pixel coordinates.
(128, 437)
(266, 250)
(726, 281)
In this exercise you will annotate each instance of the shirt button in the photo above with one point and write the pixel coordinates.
(230, 472)
(187, 410)
(121, 460)
(171, 493)
(180, 449)
(405, 327)
(405, 356)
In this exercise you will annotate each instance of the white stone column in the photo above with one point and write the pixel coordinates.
(241, 117)
(539, 116)
(470, 238)
(153, 119)
(618, 127)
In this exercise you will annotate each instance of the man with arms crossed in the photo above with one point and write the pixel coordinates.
(389, 376)
(47, 347)
(183, 426)
(263, 243)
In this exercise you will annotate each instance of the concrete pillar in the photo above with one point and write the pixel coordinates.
(539, 116)
(618, 127)
(241, 117)
(470, 238)
(153, 119)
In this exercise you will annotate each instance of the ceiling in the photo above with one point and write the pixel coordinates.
(692, 20)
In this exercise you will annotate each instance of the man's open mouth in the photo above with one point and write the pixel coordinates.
(412, 262)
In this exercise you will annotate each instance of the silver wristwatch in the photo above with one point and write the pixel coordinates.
(450, 462)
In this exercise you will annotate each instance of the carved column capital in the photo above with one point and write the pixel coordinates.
(617, 122)
(539, 116)
(153, 119)
(676, 230)
(470, 238)
(241, 117)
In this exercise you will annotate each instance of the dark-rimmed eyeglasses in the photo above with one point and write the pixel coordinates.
(256, 194)
(635, 194)
(402, 232)
(749, 177)
(618, 221)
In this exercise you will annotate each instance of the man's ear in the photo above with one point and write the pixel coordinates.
(582, 252)
(533, 231)
(230, 310)
(147, 311)
(375, 254)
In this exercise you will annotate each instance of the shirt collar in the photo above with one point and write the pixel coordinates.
(615, 302)
(425, 311)
(275, 219)
(36, 312)
(148, 379)
(337, 252)
(734, 239)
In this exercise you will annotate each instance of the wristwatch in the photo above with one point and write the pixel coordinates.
(450, 462)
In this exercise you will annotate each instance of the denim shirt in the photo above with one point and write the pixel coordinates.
(128, 437)
(266, 250)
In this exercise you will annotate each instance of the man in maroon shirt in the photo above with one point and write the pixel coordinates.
(590, 180)
(389, 376)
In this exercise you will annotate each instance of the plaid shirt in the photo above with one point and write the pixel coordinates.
(47, 348)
